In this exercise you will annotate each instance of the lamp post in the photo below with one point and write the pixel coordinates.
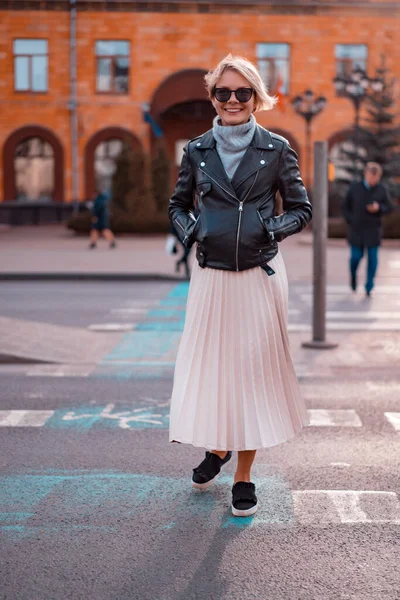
(356, 86)
(308, 107)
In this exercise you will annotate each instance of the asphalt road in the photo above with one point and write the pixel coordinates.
(95, 504)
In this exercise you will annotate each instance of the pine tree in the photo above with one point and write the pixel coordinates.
(378, 140)
(383, 142)
(128, 182)
(161, 177)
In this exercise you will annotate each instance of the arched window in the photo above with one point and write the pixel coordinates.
(101, 151)
(105, 155)
(34, 170)
(33, 160)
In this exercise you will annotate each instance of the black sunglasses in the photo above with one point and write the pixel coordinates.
(224, 95)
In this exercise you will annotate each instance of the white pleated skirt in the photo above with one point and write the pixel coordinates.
(235, 387)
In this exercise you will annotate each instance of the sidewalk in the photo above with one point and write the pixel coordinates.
(53, 252)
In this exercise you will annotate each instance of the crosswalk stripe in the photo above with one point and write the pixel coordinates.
(350, 314)
(394, 419)
(345, 506)
(156, 414)
(112, 327)
(24, 418)
(334, 418)
(69, 370)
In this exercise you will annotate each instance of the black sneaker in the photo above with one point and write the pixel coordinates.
(208, 470)
(244, 499)
(92, 245)
(353, 283)
(113, 245)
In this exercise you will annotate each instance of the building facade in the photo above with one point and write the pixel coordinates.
(81, 77)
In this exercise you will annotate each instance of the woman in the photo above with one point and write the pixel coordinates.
(235, 387)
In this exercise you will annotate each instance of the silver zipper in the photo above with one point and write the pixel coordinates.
(240, 221)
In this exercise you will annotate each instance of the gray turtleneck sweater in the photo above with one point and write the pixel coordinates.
(232, 142)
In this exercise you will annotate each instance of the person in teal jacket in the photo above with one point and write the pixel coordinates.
(100, 221)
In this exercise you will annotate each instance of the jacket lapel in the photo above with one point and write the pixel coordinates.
(211, 164)
(255, 157)
(253, 160)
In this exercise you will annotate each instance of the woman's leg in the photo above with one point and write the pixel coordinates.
(94, 236)
(108, 234)
(220, 453)
(245, 461)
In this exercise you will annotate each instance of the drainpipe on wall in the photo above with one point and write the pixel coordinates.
(72, 105)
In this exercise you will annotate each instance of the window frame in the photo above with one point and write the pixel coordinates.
(342, 60)
(112, 58)
(288, 61)
(29, 90)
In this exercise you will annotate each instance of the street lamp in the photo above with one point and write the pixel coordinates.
(308, 107)
(356, 87)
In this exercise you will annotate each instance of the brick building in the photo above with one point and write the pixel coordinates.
(59, 129)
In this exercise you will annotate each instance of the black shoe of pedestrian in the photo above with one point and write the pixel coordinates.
(368, 293)
(113, 245)
(244, 499)
(208, 470)
(353, 283)
(92, 245)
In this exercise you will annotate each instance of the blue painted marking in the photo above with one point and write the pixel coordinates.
(166, 313)
(137, 345)
(110, 417)
(179, 302)
(161, 326)
(126, 370)
(157, 336)
(96, 496)
(179, 291)
(169, 525)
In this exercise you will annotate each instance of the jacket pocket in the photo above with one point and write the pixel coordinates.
(203, 188)
(270, 237)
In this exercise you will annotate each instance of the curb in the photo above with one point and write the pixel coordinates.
(90, 277)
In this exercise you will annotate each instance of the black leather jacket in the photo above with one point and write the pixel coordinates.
(236, 228)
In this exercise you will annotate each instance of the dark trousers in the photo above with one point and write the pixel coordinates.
(357, 252)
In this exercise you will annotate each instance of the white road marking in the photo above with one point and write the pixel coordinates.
(130, 310)
(345, 506)
(24, 418)
(340, 464)
(346, 291)
(320, 417)
(348, 315)
(352, 326)
(394, 264)
(112, 327)
(394, 419)
(60, 370)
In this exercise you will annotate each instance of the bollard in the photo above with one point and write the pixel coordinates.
(320, 235)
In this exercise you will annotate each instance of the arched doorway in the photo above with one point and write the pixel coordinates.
(33, 159)
(101, 151)
(180, 106)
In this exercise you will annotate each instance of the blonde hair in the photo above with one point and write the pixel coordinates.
(262, 99)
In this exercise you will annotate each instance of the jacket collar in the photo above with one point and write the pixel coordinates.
(262, 139)
(252, 161)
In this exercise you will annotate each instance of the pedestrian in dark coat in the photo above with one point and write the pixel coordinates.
(365, 204)
(100, 220)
